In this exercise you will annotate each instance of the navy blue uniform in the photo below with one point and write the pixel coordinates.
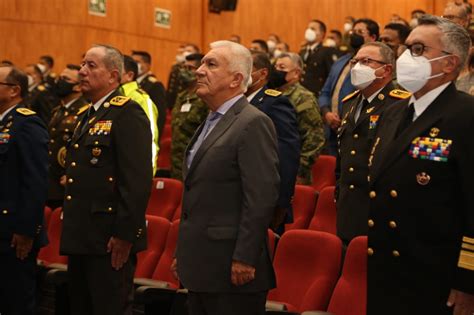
(283, 116)
(23, 192)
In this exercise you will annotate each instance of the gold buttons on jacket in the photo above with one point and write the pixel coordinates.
(393, 193)
(351, 186)
(73, 164)
(353, 152)
(50, 152)
(355, 136)
(392, 224)
(370, 251)
(395, 253)
(111, 179)
(96, 142)
(351, 169)
(53, 129)
(4, 211)
(76, 146)
(371, 223)
(51, 141)
(372, 194)
(68, 197)
(70, 180)
(109, 209)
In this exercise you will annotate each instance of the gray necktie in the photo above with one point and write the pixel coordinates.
(202, 136)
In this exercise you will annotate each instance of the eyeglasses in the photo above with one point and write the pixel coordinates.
(417, 49)
(8, 84)
(365, 61)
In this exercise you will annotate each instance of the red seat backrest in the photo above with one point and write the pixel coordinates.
(325, 216)
(162, 271)
(164, 160)
(157, 232)
(307, 265)
(165, 197)
(350, 295)
(323, 172)
(50, 253)
(304, 202)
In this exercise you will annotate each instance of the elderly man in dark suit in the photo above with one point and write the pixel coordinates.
(23, 192)
(231, 189)
(283, 116)
(421, 215)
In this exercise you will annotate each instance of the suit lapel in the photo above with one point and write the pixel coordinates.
(395, 146)
(224, 123)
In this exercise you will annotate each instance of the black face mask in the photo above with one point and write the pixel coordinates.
(356, 41)
(276, 79)
(64, 88)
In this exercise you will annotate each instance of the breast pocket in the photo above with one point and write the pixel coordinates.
(98, 150)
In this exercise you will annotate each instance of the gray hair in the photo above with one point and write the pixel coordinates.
(239, 59)
(113, 59)
(295, 59)
(455, 39)
(385, 52)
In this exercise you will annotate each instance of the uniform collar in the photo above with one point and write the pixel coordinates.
(5, 113)
(251, 96)
(99, 102)
(421, 104)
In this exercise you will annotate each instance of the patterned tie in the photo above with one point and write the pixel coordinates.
(202, 136)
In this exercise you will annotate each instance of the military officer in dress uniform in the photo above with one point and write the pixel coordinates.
(371, 73)
(317, 59)
(421, 216)
(285, 78)
(108, 182)
(187, 115)
(150, 84)
(283, 116)
(60, 129)
(23, 192)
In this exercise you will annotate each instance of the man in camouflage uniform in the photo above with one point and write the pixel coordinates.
(188, 113)
(285, 77)
(130, 88)
(61, 128)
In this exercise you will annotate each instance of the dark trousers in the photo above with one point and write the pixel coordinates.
(227, 303)
(95, 288)
(17, 283)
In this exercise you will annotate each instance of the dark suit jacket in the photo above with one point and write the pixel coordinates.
(41, 100)
(109, 175)
(157, 93)
(317, 66)
(230, 193)
(23, 177)
(283, 116)
(422, 208)
(355, 140)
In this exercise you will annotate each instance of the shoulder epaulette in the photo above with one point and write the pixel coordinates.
(152, 79)
(83, 109)
(119, 100)
(272, 92)
(25, 111)
(350, 96)
(397, 93)
(41, 87)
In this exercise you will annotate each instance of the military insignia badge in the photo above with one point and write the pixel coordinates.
(433, 149)
(101, 127)
(61, 157)
(4, 138)
(434, 132)
(373, 121)
(381, 97)
(423, 179)
(369, 110)
(94, 161)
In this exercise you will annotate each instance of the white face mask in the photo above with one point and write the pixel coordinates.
(347, 27)
(277, 53)
(310, 35)
(414, 72)
(363, 76)
(329, 42)
(271, 45)
(31, 81)
(41, 67)
(180, 58)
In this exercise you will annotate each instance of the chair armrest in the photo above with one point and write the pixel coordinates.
(148, 294)
(316, 313)
(270, 312)
(151, 283)
(275, 306)
(57, 266)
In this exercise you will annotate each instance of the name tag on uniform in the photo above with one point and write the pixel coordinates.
(186, 107)
(102, 127)
(433, 149)
(4, 137)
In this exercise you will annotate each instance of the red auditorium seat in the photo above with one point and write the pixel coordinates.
(324, 218)
(165, 197)
(166, 131)
(157, 232)
(307, 265)
(304, 202)
(323, 172)
(50, 253)
(350, 295)
(177, 213)
(164, 159)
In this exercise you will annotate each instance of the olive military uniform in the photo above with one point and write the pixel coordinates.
(355, 139)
